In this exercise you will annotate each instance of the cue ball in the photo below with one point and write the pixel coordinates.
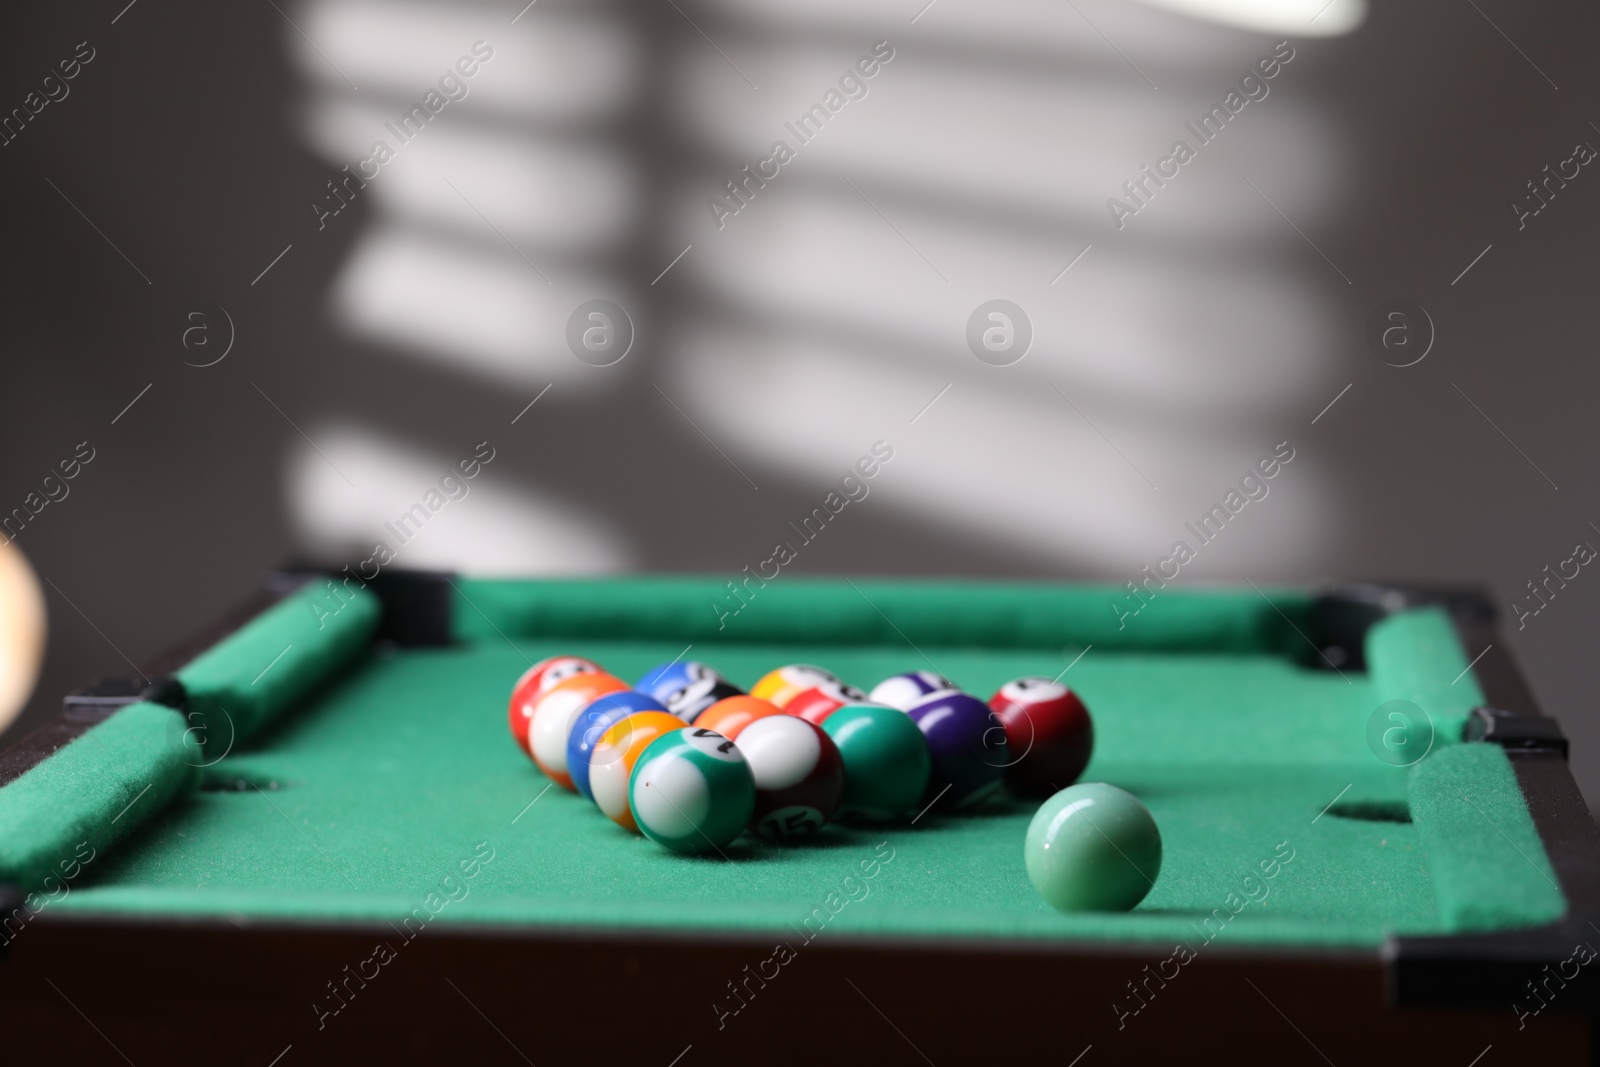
(691, 791)
(552, 720)
(799, 776)
(730, 716)
(687, 689)
(615, 755)
(23, 631)
(591, 724)
(1049, 731)
(816, 704)
(535, 682)
(904, 690)
(968, 746)
(781, 685)
(886, 762)
(1093, 847)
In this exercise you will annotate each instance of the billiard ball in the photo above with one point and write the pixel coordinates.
(686, 689)
(663, 678)
(904, 690)
(591, 723)
(691, 791)
(817, 703)
(799, 776)
(786, 682)
(535, 682)
(614, 756)
(732, 714)
(1049, 733)
(886, 762)
(552, 720)
(968, 746)
(1093, 847)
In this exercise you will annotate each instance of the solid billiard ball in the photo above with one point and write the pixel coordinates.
(817, 703)
(886, 762)
(691, 791)
(686, 689)
(590, 725)
(1049, 732)
(1093, 847)
(904, 690)
(780, 685)
(552, 720)
(799, 775)
(968, 746)
(535, 682)
(614, 756)
(732, 714)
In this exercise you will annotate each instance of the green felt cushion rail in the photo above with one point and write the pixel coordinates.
(885, 611)
(77, 802)
(1416, 656)
(1489, 869)
(239, 684)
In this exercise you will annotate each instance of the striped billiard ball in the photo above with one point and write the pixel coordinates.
(1049, 732)
(968, 745)
(691, 791)
(779, 686)
(615, 755)
(535, 682)
(799, 776)
(686, 688)
(904, 690)
(886, 762)
(552, 720)
(591, 724)
(816, 704)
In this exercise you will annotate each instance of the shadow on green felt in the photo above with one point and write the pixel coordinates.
(1372, 810)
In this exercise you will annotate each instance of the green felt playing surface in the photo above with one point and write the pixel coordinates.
(378, 798)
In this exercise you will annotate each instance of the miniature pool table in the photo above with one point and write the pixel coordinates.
(309, 835)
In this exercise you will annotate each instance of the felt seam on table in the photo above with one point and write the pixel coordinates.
(832, 611)
(1489, 869)
(88, 794)
(240, 684)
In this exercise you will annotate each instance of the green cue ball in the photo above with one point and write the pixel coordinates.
(1093, 847)
(886, 761)
(691, 791)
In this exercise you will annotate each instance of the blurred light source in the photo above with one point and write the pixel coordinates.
(1298, 18)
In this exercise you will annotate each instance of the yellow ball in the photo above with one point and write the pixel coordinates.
(611, 762)
(784, 684)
